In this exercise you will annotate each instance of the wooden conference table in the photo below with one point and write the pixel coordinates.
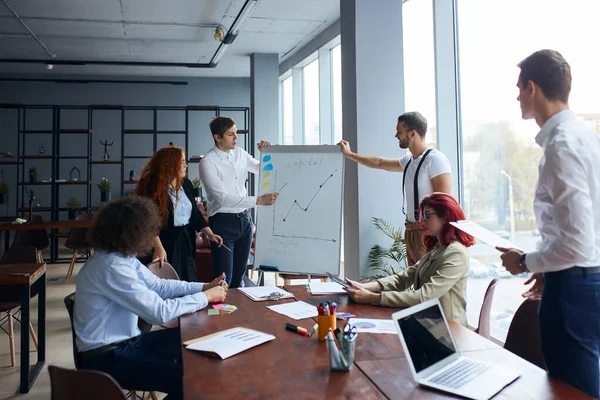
(296, 366)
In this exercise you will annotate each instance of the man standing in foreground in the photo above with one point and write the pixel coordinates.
(567, 210)
(426, 170)
(224, 170)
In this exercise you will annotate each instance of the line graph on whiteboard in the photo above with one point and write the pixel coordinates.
(297, 208)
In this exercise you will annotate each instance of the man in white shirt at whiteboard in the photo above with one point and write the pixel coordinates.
(425, 170)
(223, 171)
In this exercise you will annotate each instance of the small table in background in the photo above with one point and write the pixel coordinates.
(23, 276)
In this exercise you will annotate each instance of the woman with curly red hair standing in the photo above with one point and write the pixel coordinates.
(441, 273)
(163, 180)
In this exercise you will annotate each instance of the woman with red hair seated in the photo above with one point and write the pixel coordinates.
(441, 273)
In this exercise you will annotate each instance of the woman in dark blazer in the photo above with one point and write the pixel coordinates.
(163, 179)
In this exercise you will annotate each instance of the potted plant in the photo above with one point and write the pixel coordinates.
(3, 192)
(197, 186)
(387, 260)
(32, 174)
(104, 187)
(73, 205)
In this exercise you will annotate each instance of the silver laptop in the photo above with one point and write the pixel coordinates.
(434, 360)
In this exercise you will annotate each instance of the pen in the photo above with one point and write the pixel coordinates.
(223, 280)
(297, 329)
(227, 248)
(313, 329)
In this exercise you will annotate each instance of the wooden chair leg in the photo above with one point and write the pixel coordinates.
(324, 279)
(11, 338)
(276, 279)
(251, 274)
(70, 271)
(33, 336)
(153, 396)
(91, 252)
(287, 282)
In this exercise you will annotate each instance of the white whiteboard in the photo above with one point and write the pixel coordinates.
(302, 231)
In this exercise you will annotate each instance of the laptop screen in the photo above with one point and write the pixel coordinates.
(427, 337)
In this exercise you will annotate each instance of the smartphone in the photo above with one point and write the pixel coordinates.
(338, 280)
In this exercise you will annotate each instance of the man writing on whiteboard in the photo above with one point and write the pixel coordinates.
(224, 170)
(425, 170)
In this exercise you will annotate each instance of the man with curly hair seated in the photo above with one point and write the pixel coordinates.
(114, 288)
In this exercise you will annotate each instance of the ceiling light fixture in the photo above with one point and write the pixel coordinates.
(238, 24)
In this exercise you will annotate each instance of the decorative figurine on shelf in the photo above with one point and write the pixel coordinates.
(32, 174)
(42, 149)
(104, 187)
(73, 205)
(72, 176)
(106, 146)
(132, 175)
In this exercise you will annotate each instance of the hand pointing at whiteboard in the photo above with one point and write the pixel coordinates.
(267, 199)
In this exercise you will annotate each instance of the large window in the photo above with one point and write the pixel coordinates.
(419, 66)
(336, 89)
(311, 103)
(287, 111)
(500, 156)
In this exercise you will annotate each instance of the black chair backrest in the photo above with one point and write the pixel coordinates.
(34, 237)
(78, 236)
(68, 384)
(20, 255)
(70, 304)
(523, 337)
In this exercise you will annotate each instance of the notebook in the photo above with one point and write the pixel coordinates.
(434, 360)
(229, 342)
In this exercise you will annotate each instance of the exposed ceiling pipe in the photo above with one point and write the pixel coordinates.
(51, 54)
(232, 33)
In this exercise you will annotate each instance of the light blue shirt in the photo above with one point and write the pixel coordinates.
(112, 291)
(182, 207)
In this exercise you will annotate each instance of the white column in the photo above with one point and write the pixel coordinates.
(264, 97)
(372, 100)
(449, 138)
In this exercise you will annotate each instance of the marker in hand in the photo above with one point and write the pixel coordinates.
(223, 281)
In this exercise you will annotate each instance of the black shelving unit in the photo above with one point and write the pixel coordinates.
(50, 206)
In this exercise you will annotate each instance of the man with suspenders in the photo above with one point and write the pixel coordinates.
(425, 170)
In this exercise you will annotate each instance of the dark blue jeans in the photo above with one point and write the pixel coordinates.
(236, 231)
(150, 362)
(570, 329)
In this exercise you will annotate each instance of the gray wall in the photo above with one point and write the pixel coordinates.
(106, 125)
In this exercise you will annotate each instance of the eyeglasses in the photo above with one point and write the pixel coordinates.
(426, 216)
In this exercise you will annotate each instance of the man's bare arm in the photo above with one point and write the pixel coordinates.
(387, 164)
(442, 183)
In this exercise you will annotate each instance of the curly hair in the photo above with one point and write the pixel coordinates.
(125, 226)
(156, 177)
(446, 206)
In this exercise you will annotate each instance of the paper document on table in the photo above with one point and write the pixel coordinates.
(482, 234)
(229, 342)
(325, 288)
(296, 310)
(365, 325)
(261, 293)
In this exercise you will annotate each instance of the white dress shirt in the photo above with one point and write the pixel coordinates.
(567, 198)
(112, 291)
(224, 176)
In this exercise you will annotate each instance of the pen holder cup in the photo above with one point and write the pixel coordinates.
(336, 362)
(325, 322)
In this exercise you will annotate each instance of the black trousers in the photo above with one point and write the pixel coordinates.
(236, 231)
(150, 362)
(182, 255)
(570, 329)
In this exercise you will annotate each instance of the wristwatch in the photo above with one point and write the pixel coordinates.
(522, 262)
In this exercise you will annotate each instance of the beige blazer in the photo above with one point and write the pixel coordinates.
(439, 274)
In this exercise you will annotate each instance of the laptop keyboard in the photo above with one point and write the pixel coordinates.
(459, 374)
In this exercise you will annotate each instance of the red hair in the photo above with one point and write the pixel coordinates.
(156, 177)
(447, 207)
